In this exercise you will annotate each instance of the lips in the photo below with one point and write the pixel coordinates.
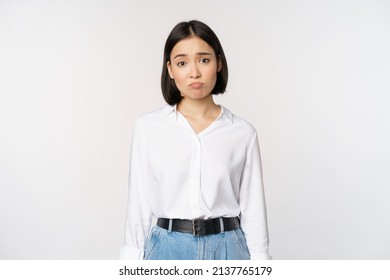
(196, 85)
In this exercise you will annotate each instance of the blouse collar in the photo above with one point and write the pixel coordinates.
(225, 113)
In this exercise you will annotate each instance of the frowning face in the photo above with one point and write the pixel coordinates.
(194, 66)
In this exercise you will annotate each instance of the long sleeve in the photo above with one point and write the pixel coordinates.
(138, 216)
(252, 204)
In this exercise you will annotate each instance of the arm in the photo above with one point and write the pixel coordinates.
(252, 204)
(138, 216)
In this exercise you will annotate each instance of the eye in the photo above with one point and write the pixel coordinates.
(180, 63)
(204, 60)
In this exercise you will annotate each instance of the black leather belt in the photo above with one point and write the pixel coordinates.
(201, 227)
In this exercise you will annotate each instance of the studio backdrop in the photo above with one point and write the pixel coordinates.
(311, 76)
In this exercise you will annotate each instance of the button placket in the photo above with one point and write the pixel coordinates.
(195, 165)
(195, 177)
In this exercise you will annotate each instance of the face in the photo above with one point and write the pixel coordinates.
(193, 66)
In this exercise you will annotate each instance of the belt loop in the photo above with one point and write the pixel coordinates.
(221, 224)
(170, 225)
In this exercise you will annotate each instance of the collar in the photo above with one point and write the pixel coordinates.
(172, 109)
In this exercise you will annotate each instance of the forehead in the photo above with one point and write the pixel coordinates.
(191, 45)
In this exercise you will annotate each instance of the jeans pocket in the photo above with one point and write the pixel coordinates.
(241, 241)
(151, 241)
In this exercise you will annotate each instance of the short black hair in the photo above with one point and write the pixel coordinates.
(181, 31)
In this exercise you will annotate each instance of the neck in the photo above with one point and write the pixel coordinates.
(197, 108)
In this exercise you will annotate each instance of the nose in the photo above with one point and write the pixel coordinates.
(195, 73)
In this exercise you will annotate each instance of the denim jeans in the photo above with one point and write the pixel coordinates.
(162, 244)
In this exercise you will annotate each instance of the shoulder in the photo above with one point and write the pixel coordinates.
(156, 119)
(156, 115)
(238, 122)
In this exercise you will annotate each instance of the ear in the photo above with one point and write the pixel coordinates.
(219, 64)
(169, 70)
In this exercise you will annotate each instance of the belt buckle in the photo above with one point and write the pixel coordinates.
(198, 228)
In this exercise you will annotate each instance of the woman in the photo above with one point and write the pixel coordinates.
(195, 166)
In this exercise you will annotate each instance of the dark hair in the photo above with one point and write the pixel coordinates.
(181, 31)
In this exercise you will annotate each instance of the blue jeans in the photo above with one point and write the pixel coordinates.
(172, 245)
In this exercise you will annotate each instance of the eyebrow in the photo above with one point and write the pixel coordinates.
(198, 53)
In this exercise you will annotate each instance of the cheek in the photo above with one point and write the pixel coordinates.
(179, 80)
(178, 73)
(212, 73)
(179, 77)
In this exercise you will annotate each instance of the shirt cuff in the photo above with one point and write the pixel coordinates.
(131, 253)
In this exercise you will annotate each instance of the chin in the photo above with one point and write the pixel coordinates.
(200, 97)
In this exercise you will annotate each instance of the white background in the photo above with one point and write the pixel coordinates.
(312, 76)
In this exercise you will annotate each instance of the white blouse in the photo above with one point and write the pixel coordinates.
(178, 174)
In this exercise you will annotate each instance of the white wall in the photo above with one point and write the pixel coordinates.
(312, 76)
